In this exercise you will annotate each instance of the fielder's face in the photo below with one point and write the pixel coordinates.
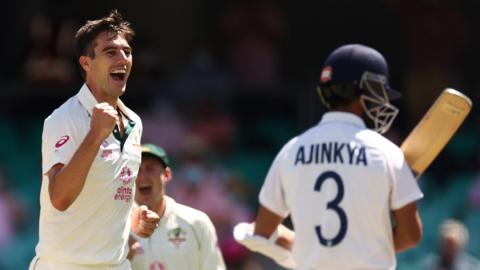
(150, 183)
(107, 72)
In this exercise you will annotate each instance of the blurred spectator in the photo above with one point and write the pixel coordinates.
(164, 126)
(49, 59)
(147, 61)
(451, 255)
(12, 212)
(202, 93)
(435, 33)
(253, 31)
(199, 78)
(213, 126)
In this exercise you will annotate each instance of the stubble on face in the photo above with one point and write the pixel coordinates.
(110, 67)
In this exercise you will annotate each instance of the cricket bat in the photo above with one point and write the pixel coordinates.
(435, 129)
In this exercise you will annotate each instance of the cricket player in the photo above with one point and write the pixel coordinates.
(340, 181)
(452, 249)
(91, 154)
(186, 238)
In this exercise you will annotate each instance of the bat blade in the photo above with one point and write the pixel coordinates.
(435, 129)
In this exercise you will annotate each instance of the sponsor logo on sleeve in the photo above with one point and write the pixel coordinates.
(63, 140)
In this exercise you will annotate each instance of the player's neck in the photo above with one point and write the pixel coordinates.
(101, 97)
(354, 107)
(162, 205)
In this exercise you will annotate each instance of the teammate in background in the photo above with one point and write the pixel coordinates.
(91, 155)
(186, 238)
(340, 181)
(453, 236)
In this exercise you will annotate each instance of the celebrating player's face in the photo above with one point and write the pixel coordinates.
(108, 71)
(150, 182)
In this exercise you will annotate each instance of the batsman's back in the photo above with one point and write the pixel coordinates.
(339, 182)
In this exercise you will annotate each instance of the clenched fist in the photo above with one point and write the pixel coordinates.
(144, 221)
(104, 117)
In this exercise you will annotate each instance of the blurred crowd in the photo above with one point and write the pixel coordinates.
(224, 86)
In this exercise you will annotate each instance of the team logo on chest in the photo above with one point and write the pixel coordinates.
(135, 138)
(176, 236)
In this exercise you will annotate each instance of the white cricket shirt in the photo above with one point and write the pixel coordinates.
(185, 240)
(94, 230)
(339, 181)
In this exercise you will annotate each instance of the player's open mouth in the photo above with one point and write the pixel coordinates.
(118, 75)
(144, 190)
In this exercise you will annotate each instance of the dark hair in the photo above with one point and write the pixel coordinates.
(85, 36)
(336, 95)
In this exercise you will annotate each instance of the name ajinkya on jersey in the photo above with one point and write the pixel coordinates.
(331, 152)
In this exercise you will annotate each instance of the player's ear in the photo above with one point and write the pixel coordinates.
(168, 174)
(84, 62)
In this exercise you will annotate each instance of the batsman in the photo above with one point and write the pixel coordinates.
(341, 180)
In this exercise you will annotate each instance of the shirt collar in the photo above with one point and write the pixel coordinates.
(86, 98)
(89, 101)
(169, 205)
(344, 117)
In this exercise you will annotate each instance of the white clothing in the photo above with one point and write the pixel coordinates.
(93, 231)
(339, 181)
(185, 240)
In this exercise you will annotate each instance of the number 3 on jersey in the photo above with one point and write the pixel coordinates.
(333, 206)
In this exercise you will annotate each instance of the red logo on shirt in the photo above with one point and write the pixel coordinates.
(126, 175)
(106, 153)
(62, 141)
(157, 266)
(124, 192)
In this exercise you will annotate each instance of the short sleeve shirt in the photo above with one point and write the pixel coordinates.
(339, 182)
(185, 240)
(95, 228)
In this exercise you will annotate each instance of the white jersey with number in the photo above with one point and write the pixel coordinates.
(185, 240)
(339, 181)
(93, 232)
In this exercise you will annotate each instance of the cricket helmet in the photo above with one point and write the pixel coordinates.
(357, 71)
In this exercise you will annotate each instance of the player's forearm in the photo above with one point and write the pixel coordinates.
(266, 222)
(408, 231)
(405, 242)
(68, 182)
(405, 239)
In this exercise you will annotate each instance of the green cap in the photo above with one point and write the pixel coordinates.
(156, 151)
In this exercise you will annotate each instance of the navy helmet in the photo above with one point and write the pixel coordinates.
(357, 71)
